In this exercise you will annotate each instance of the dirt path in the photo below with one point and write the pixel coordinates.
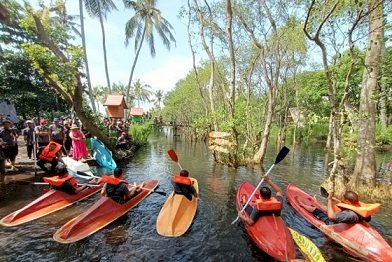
(25, 166)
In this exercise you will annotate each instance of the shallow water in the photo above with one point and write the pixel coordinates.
(211, 238)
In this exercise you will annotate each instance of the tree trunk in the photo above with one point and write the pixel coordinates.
(258, 158)
(90, 92)
(365, 166)
(212, 62)
(104, 47)
(383, 92)
(134, 63)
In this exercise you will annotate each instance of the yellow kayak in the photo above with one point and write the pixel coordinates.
(177, 214)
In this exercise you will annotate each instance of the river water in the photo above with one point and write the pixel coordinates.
(211, 238)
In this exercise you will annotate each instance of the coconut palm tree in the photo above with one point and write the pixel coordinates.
(100, 9)
(141, 92)
(97, 94)
(142, 24)
(158, 98)
(82, 34)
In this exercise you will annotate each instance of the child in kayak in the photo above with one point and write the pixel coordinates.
(182, 184)
(64, 182)
(117, 188)
(266, 205)
(335, 215)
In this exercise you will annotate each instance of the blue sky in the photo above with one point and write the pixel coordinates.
(161, 72)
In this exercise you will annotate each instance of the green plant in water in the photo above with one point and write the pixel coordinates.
(140, 133)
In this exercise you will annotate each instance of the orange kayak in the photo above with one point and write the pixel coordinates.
(360, 239)
(269, 233)
(177, 214)
(49, 202)
(102, 213)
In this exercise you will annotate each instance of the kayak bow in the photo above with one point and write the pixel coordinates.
(49, 202)
(102, 213)
(269, 233)
(177, 214)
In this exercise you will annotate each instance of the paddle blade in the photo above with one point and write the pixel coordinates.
(160, 193)
(173, 155)
(324, 192)
(282, 154)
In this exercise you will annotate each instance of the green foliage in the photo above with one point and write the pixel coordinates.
(21, 84)
(140, 133)
(383, 135)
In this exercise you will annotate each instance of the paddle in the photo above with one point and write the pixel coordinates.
(281, 155)
(45, 184)
(174, 156)
(35, 153)
(87, 176)
(324, 193)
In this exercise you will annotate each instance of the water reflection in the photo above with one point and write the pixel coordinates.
(211, 238)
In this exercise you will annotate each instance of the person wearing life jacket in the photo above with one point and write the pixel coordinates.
(50, 154)
(350, 210)
(64, 182)
(183, 185)
(266, 205)
(117, 188)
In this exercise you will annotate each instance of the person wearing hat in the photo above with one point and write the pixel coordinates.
(10, 147)
(64, 182)
(28, 135)
(43, 134)
(57, 133)
(79, 149)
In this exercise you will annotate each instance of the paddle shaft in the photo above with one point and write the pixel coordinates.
(44, 183)
(92, 176)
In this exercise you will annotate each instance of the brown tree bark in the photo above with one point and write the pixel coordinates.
(365, 166)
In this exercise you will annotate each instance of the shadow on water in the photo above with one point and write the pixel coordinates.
(133, 237)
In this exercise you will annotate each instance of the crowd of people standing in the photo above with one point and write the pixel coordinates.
(38, 135)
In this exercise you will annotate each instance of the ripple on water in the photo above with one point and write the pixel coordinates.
(133, 237)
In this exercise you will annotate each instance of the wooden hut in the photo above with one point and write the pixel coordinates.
(116, 105)
(137, 114)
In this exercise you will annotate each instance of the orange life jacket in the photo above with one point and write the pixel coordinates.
(363, 209)
(111, 180)
(270, 205)
(49, 155)
(59, 181)
(182, 180)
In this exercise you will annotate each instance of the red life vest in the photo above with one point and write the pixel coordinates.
(59, 181)
(49, 155)
(182, 180)
(111, 180)
(363, 209)
(270, 205)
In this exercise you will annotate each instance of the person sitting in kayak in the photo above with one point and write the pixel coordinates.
(265, 205)
(347, 211)
(117, 188)
(50, 154)
(183, 185)
(64, 182)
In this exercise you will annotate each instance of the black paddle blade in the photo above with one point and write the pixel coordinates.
(172, 154)
(282, 154)
(323, 192)
(160, 193)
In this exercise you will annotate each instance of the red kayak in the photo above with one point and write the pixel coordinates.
(359, 239)
(49, 202)
(269, 232)
(102, 213)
